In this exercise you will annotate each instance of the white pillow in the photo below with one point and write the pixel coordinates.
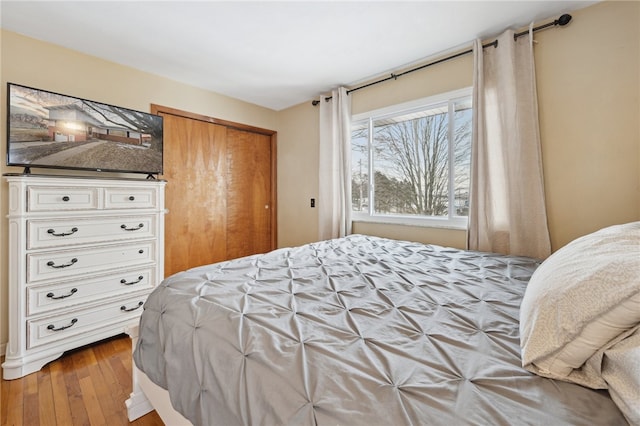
(580, 299)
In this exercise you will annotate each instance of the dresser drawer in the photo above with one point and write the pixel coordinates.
(62, 295)
(63, 232)
(70, 263)
(52, 198)
(130, 198)
(59, 327)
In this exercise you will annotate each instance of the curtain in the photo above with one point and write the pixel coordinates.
(507, 208)
(334, 192)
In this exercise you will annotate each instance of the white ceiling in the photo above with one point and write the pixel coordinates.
(273, 54)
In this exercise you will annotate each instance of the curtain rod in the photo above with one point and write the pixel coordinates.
(562, 21)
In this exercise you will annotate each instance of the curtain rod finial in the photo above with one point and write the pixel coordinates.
(315, 102)
(564, 19)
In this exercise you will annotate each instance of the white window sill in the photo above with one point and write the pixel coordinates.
(460, 223)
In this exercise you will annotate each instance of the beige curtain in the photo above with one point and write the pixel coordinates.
(507, 210)
(334, 195)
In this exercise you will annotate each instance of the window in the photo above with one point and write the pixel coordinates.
(411, 163)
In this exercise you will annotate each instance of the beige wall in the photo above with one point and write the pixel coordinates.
(588, 84)
(42, 65)
(297, 175)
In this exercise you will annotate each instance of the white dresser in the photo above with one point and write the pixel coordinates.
(83, 256)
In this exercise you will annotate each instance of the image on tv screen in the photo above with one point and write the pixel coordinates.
(47, 129)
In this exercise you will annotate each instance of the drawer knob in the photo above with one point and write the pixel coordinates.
(62, 234)
(66, 198)
(125, 309)
(54, 297)
(64, 327)
(132, 198)
(64, 265)
(124, 281)
(140, 226)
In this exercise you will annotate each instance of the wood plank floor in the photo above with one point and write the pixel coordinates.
(87, 386)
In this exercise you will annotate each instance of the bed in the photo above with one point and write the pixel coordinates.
(365, 330)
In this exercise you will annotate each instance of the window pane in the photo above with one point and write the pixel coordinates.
(360, 166)
(462, 152)
(410, 163)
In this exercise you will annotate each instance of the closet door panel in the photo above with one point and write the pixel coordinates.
(195, 168)
(249, 192)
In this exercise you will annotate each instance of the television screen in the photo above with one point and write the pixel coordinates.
(46, 129)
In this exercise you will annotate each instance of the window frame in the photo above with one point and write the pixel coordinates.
(451, 221)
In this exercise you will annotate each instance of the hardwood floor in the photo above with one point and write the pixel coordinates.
(87, 386)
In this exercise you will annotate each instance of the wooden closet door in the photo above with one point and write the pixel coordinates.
(249, 193)
(195, 168)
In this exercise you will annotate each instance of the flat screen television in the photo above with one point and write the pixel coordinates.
(50, 130)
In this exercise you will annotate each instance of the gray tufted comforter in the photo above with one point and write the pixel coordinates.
(354, 331)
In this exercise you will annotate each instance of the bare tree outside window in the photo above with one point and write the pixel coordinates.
(360, 167)
(415, 170)
(462, 155)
